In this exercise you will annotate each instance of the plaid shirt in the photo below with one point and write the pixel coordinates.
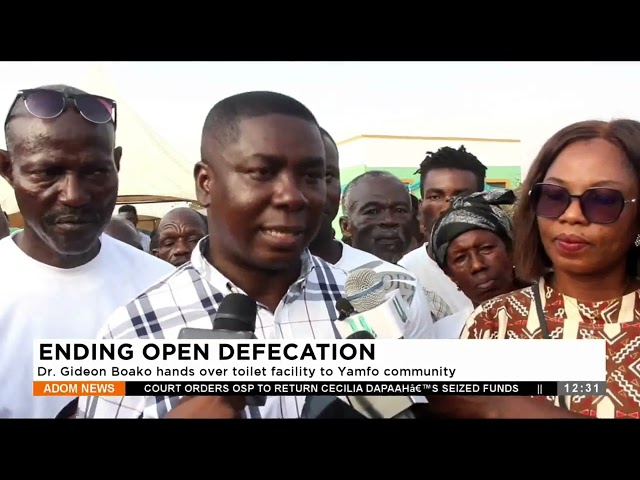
(190, 296)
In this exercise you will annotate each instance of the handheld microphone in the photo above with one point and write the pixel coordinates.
(364, 289)
(378, 315)
(394, 277)
(234, 320)
(371, 309)
(326, 406)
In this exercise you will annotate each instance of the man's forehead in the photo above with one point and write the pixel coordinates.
(69, 130)
(382, 191)
(440, 178)
(273, 132)
(181, 218)
(371, 186)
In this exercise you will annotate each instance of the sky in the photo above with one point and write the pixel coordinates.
(528, 101)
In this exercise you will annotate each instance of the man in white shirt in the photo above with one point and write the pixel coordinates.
(377, 218)
(61, 278)
(443, 175)
(262, 180)
(377, 214)
(344, 256)
(130, 213)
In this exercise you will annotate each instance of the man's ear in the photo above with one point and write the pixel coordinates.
(204, 183)
(6, 168)
(117, 155)
(345, 226)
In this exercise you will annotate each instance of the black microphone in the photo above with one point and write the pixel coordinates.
(234, 320)
(326, 406)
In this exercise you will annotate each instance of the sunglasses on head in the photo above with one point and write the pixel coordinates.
(43, 103)
(598, 205)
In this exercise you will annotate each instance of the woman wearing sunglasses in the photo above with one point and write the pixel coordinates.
(577, 236)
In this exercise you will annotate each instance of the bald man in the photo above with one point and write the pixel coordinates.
(123, 230)
(177, 235)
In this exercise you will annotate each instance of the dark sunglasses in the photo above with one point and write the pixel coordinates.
(43, 103)
(598, 205)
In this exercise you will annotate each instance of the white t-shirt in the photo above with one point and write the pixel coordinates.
(352, 258)
(433, 278)
(450, 328)
(145, 240)
(39, 301)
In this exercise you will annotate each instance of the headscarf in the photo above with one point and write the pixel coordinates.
(477, 211)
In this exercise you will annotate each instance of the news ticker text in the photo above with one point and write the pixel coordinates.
(124, 388)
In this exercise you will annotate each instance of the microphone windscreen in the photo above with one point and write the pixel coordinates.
(236, 312)
(364, 289)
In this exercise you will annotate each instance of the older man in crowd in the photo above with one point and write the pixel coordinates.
(348, 258)
(378, 218)
(177, 235)
(67, 277)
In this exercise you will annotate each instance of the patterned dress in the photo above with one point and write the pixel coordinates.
(513, 316)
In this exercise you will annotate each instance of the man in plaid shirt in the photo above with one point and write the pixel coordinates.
(262, 180)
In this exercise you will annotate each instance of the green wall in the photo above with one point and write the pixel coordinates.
(510, 175)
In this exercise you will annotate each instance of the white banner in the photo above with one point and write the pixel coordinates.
(321, 360)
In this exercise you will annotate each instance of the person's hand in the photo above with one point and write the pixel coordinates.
(208, 407)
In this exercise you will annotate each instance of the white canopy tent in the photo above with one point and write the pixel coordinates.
(153, 176)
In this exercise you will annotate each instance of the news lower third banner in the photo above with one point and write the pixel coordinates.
(325, 367)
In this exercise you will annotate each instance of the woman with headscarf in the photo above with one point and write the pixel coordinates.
(472, 243)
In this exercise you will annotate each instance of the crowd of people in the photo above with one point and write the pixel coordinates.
(565, 266)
